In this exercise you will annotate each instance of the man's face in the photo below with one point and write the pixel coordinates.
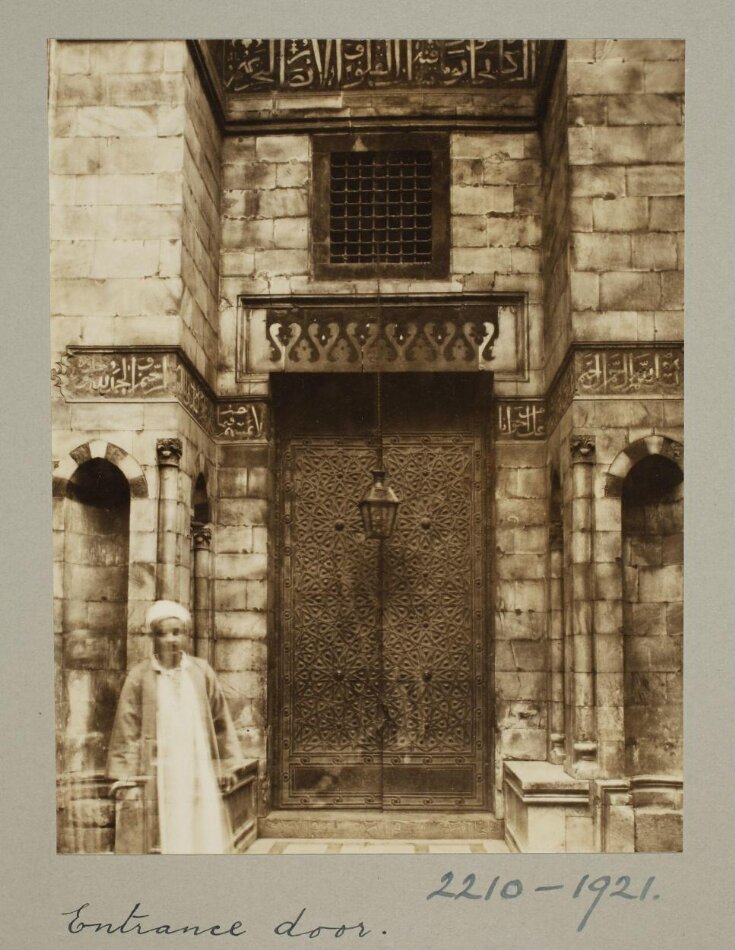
(169, 640)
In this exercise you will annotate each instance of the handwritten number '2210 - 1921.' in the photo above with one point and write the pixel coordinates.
(512, 889)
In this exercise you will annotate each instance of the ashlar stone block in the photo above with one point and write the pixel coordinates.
(620, 214)
(282, 148)
(605, 76)
(654, 251)
(655, 180)
(601, 252)
(107, 121)
(282, 203)
(597, 181)
(664, 77)
(471, 231)
(644, 110)
(496, 147)
(291, 233)
(481, 199)
(630, 291)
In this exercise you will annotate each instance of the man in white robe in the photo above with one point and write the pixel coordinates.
(173, 746)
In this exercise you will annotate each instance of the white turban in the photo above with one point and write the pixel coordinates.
(166, 610)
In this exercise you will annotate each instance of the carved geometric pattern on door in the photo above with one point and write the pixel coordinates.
(382, 665)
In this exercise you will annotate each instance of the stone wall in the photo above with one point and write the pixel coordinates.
(520, 603)
(201, 187)
(496, 229)
(626, 149)
(241, 588)
(134, 166)
(556, 223)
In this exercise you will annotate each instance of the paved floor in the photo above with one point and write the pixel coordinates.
(374, 846)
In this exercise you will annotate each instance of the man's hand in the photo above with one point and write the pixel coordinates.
(127, 790)
(227, 782)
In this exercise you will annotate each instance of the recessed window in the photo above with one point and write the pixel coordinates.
(381, 205)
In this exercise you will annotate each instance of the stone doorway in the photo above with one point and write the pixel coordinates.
(381, 680)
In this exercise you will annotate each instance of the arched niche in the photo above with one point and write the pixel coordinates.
(100, 494)
(651, 494)
(96, 558)
(200, 508)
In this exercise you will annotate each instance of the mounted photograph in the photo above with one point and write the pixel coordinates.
(368, 415)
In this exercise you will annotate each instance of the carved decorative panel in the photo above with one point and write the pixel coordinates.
(382, 660)
(330, 649)
(302, 65)
(433, 625)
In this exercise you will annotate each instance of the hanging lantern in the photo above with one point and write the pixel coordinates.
(379, 508)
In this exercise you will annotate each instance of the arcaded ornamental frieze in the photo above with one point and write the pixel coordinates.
(419, 333)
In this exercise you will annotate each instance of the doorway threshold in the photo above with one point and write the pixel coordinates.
(376, 846)
(334, 824)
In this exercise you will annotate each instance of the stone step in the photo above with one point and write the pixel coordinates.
(349, 823)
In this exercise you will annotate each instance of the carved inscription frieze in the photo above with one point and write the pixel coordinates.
(83, 376)
(560, 396)
(192, 396)
(613, 372)
(633, 371)
(258, 66)
(111, 375)
(242, 420)
(521, 419)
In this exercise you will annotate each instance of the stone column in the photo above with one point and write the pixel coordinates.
(608, 625)
(584, 739)
(202, 596)
(556, 645)
(168, 452)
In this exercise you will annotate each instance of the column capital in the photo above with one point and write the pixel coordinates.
(201, 535)
(582, 447)
(169, 452)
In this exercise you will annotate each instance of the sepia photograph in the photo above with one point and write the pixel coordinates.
(367, 399)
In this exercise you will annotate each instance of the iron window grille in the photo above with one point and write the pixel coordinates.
(381, 205)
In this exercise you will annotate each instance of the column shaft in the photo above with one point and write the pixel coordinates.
(202, 596)
(556, 650)
(169, 457)
(584, 736)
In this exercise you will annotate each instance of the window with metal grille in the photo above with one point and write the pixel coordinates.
(381, 205)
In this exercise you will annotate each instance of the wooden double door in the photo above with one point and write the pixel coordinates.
(381, 675)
